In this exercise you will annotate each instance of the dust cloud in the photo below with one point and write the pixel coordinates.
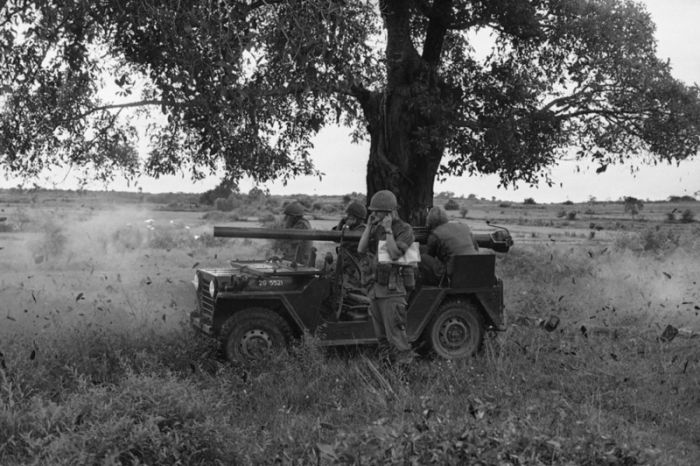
(116, 268)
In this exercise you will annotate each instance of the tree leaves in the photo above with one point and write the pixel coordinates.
(247, 88)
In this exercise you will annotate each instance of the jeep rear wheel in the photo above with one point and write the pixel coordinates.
(457, 330)
(252, 334)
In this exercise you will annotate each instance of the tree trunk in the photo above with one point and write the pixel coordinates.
(395, 163)
(406, 148)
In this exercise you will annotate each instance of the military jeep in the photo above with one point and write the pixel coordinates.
(255, 306)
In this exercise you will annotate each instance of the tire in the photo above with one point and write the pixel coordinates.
(457, 330)
(252, 334)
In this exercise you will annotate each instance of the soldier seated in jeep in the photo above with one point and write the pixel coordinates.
(445, 241)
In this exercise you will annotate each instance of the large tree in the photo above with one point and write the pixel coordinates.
(246, 85)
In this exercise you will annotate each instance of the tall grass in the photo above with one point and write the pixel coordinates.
(532, 397)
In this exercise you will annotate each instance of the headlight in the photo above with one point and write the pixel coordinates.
(212, 288)
(195, 281)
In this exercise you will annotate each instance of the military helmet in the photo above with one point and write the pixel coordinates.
(294, 209)
(356, 209)
(383, 200)
(436, 217)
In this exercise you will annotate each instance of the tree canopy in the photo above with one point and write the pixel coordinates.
(246, 85)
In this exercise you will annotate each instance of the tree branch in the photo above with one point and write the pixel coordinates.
(439, 16)
(140, 103)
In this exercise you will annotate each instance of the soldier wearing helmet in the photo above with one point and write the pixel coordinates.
(353, 265)
(354, 220)
(388, 287)
(296, 251)
(446, 240)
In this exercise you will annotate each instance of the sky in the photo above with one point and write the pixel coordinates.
(344, 163)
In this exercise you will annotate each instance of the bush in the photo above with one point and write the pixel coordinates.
(256, 195)
(688, 216)
(682, 199)
(224, 205)
(561, 213)
(632, 205)
(571, 215)
(224, 190)
(529, 201)
(567, 202)
(504, 204)
(463, 211)
(451, 205)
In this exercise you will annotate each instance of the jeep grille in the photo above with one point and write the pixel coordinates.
(206, 302)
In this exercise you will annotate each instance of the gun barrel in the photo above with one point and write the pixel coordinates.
(498, 241)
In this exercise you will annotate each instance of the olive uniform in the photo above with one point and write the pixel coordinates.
(388, 290)
(296, 251)
(446, 240)
(354, 264)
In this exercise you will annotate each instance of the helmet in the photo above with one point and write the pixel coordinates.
(436, 217)
(294, 209)
(356, 209)
(383, 200)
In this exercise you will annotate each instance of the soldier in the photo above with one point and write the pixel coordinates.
(351, 261)
(387, 290)
(354, 220)
(446, 240)
(296, 251)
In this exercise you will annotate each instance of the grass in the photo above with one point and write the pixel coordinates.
(531, 398)
(601, 389)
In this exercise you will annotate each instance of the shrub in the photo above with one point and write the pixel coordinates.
(682, 199)
(451, 205)
(529, 201)
(256, 195)
(567, 202)
(633, 205)
(504, 204)
(306, 201)
(561, 213)
(224, 205)
(688, 216)
(571, 215)
(224, 190)
(53, 242)
(589, 211)
(463, 211)
(128, 237)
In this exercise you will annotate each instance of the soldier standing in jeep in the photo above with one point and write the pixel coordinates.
(296, 251)
(352, 264)
(388, 290)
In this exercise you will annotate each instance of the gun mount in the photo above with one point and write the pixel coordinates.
(499, 240)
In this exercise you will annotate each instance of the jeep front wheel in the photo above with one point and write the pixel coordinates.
(251, 334)
(457, 330)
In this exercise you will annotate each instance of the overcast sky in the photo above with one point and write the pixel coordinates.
(344, 163)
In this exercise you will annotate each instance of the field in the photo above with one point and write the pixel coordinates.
(98, 364)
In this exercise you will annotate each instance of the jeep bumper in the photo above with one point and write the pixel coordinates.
(196, 322)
